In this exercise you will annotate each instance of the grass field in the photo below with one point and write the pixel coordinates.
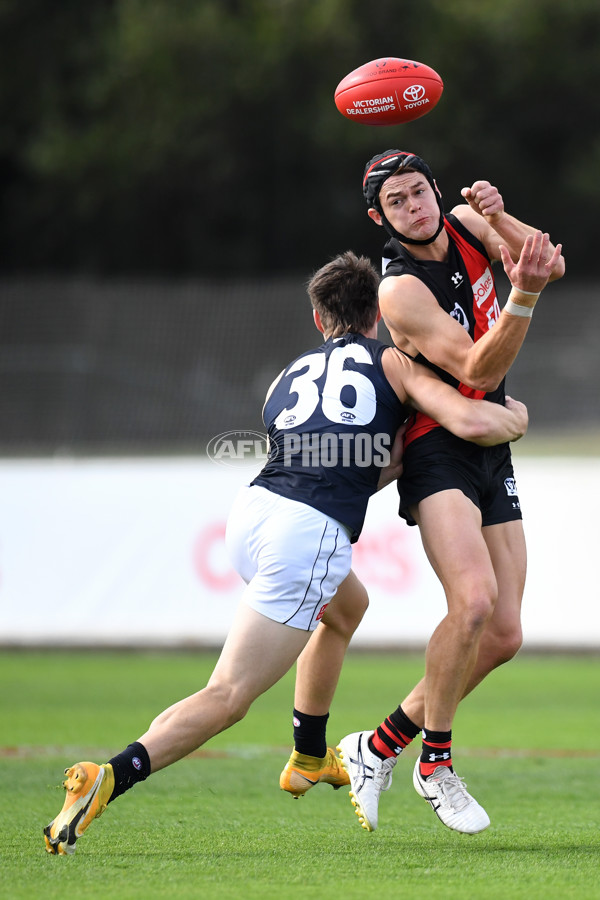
(216, 824)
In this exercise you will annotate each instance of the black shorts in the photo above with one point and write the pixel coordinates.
(439, 461)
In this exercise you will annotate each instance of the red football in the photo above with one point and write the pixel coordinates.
(388, 91)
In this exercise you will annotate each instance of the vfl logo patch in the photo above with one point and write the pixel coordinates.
(511, 487)
(458, 313)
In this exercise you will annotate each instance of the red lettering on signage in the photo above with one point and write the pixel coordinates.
(211, 561)
(383, 559)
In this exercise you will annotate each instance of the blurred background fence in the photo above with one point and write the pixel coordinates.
(137, 367)
(141, 367)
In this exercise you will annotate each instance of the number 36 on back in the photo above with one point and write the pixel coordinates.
(337, 378)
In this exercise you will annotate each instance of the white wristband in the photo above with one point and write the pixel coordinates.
(527, 293)
(515, 309)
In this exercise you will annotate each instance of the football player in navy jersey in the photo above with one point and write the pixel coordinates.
(438, 299)
(332, 417)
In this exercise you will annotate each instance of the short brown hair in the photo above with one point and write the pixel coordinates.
(344, 293)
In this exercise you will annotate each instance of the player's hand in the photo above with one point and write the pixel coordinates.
(484, 199)
(534, 266)
(394, 468)
(519, 410)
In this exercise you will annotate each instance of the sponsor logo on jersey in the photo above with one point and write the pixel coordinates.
(483, 288)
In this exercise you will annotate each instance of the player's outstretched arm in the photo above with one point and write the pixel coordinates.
(489, 359)
(478, 421)
(419, 325)
(495, 424)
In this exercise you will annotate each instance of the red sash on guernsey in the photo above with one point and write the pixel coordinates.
(485, 311)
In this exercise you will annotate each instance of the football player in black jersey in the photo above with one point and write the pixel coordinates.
(438, 299)
(332, 417)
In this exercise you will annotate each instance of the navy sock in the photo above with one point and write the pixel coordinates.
(309, 734)
(130, 766)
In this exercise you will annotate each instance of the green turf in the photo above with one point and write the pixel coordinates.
(218, 826)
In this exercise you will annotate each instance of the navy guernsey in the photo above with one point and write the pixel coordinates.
(331, 418)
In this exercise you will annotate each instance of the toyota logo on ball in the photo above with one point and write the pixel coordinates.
(413, 93)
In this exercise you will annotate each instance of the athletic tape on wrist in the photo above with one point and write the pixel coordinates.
(515, 309)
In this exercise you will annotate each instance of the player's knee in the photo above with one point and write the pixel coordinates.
(361, 603)
(352, 616)
(478, 611)
(500, 643)
(346, 611)
(507, 645)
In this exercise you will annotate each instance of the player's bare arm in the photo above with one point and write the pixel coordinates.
(418, 324)
(473, 420)
(485, 217)
(394, 468)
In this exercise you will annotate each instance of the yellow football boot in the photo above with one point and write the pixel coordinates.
(89, 788)
(302, 772)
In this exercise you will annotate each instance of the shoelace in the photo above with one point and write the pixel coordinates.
(382, 777)
(454, 789)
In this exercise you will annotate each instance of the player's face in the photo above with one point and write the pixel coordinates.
(410, 205)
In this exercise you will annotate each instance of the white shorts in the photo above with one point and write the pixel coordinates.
(291, 556)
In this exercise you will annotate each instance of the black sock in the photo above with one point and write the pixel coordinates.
(309, 734)
(130, 766)
(437, 751)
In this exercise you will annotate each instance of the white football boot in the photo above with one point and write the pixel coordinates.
(448, 796)
(369, 776)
